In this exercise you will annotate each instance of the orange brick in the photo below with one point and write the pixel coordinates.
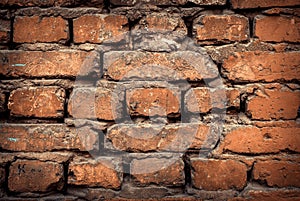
(35, 29)
(286, 29)
(99, 28)
(278, 195)
(262, 66)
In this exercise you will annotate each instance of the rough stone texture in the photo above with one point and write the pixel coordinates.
(262, 66)
(94, 103)
(221, 28)
(153, 101)
(99, 28)
(255, 140)
(33, 29)
(2, 176)
(212, 175)
(48, 64)
(166, 172)
(99, 172)
(162, 22)
(175, 138)
(271, 104)
(277, 173)
(43, 102)
(167, 2)
(280, 195)
(4, 31)
(202, 99)
(31, 176)
(47, 137)
(2, 102)
(49, 3)
(286, 29)
(157, 66)
(242, 4)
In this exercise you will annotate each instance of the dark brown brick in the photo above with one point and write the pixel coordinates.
(244, 4)
(4, 31)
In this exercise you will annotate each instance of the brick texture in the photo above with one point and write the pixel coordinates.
(43, 102)
(99, 28)
(221, 28)
(262, 66)
(33, 176)
(35, 29)
(4, 31)
(242, 4)
(286, 29)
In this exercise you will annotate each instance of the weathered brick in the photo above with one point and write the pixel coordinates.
(277, 173)
(100, 172)
(202, 99)
(256, 140)
(242, 4)
(153, 101)
(221, 28)
(35, 29)
(162, 171)
(162, 22)
(2, 102)
(208, 174)
(37, 102)
(31, 176)
(47, 137)
(181, 65)
(99, 28)
(262, 66)
(273, 104)
(277, 28)
(2, 176)
(48, 64)
(4, 31)
(50, 3)
(167, 2)
(207, 2)
(259, 195)
(176, 138)
(101, 103)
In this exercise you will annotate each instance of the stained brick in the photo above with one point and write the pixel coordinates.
(99, 28)
(212, 175)
(259, 195)
(262, 66)
(37, 102)
(277, 173)
(181, 65)
(100, 172)
(50, 3)
(166, 172)
(2, 176)
(47, 137)
(35, 29)
(277, 28)
(2, 102)
(48, 64)
(274, 104)
(221, 28)
(167, 2)
(255, 140)
(153, 101)
(31, 176)
(144, 138)
(242, 4)
(4, 31)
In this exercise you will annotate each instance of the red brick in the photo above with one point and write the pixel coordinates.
(175, 137)
(273, 104)
(286, 29)
(37, 102)
(277, 173)
(262, 66)
(98, 103)
(31, 176)
(261, 140)
(162, 22)
(4, 31)
(47, 64)
(99, 28)
(278, 195)
(215, 175)
(153, 101)
(162, 171)
(158, 66)
(47, 137)
(242, 4)
(202, 100)
(100, 172)
(221, 28)
(36, 29)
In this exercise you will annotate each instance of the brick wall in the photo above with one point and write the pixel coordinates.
(149, 100)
